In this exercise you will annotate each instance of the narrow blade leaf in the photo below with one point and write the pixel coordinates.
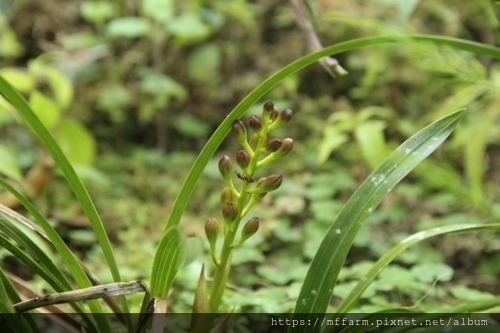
(167, 261)
(385, 260)
(321, 278)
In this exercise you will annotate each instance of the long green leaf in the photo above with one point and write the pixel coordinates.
(13, 323)
(216, 139)
(418, 318)
(322, 275)
(53, 275)
(388, 257)
(14, 98)
(8, 296)
(67, 256)
(167, 262)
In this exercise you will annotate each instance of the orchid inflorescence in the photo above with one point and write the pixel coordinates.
(258, 150)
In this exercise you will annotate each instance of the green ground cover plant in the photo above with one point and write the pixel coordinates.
(341, 227)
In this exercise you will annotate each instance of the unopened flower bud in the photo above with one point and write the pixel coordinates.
(255, 123)
(225, 167)
(243, 159)
(274, 114)
(226, 196)
(270, 111)
(285, 148)
(212, 230)
(240, 131)
(254, 141)
(273, 144)
(268, 184)
(250, 228)
(286, 115)
(230, 212)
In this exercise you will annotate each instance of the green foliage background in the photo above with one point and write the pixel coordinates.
(133, 89)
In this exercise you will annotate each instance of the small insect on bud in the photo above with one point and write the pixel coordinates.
(226, 167)
(240, 131)
(268, 184)
(254, 141)
(242, 158)
(250, 228)
(229, 212)
(273, 144)
(212, 230)
(286, 115)
(226, 196)
(255, 123)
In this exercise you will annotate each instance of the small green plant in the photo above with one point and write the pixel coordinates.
(83, 292)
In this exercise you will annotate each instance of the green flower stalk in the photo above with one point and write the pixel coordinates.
(258, 150)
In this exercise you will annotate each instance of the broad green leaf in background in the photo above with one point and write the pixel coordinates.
(161, 10)
(9, 165)
(20, 79)
(45, 109)
(129, 27)
(77, 143)
(321, 278)
(188, 27)
(97, 11)
(371, 141)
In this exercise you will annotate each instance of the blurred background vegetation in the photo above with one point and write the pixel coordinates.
(133, 89)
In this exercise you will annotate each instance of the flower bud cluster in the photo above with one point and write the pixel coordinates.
(257, 150)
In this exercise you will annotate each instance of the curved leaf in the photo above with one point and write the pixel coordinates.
(318, 286)
(358, 290)
(74, 181)
(167, 262)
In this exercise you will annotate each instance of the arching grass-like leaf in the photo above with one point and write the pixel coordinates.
(321, 278)
(167, 262)
(13, 97)
(387, 258)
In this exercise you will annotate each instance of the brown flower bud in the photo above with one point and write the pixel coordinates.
(270, 111)
(273, 144)
(286, 115)
(255, 123)
(226, 196)
(250, 228)
(243, 159)
(225, 167)
(229, 212)
(212, 230)
(240, 131)
(268, 184)
(285, 148)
